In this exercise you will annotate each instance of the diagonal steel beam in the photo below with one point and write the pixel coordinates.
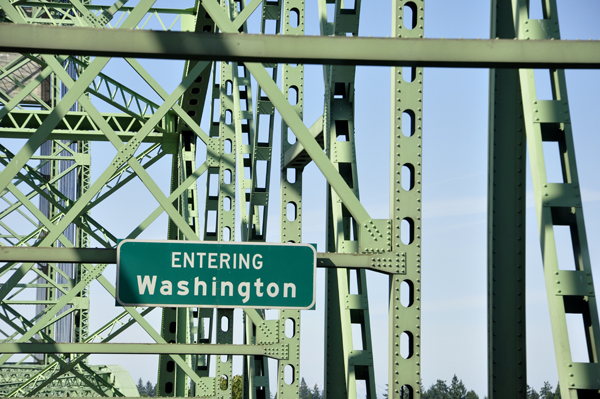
(74, 94)
(289, 115)
(85, 79)
(195, 127)
(151, 331)
(65, 368)
(60, 303)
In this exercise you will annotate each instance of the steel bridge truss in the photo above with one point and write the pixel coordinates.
(51, 91)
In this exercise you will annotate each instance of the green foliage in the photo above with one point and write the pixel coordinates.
(223, 383)
(150, 389)
(237, 389)
(146, 390)
(140, 387)
(546, 392)
(531, 393)
(439, 390)
(316, 394)
(457, 389)
(471, 395)
(305, 392)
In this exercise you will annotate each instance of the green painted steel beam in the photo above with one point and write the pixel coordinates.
(158, 10)
(459, 53)
(376, 262)
(78, 135)
(276, 351)
(63, 255)
(78, 126)
(507, 359)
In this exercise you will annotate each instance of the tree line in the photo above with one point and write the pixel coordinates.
(457, 390)
(147, 389)
(438, 390)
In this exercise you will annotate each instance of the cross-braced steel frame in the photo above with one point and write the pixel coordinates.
(54, 88)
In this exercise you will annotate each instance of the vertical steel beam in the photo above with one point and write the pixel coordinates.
(569, 288)
(250, 123)
(348, 350)
(172, 381)
(293, 15)
(405, 209)
(185, 325)
(219, 220)
(507, 369)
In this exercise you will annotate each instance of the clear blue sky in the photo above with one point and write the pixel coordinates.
(454, 196)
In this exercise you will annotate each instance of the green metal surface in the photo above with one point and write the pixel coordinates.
(404, 364)
(507, 359)
(277, 351)
(559, 204)
(249, 76)
(473, 53)
(347, 363)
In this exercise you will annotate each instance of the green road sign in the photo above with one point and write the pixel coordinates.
(215, 274)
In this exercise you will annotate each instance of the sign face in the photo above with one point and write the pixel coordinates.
(215, 274)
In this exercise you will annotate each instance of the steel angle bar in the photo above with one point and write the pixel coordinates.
(48, 223)
(8, 74)
(295, 156)
(62, 288)
(180, 112)
(62, 301)
(65, 366)
(27, 90)
(118, 175)
(58, 255)
(151, 331)
(292, 119)
(67, 101)
(50, 282)
(276, 351)
(126, 150)
(36, 212)
(231, 46)
(172, 197)
(24, 200)
(108, 83)
(73, 362)
(248, 9)
(13, 66)
(99, 7)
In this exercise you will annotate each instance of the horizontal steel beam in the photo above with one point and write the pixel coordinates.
(75, 135)
(180, 11)
(376, 262)
(22, 124)
(467, 53)
(60, 255)
(277, 351)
